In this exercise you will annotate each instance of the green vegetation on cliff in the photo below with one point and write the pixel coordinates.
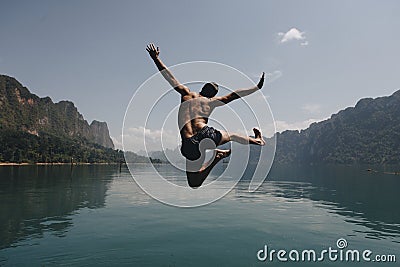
(22, 111)
(368, 133)
(34, 129)
(21, 147)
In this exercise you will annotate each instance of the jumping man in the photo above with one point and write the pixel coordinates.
(194, 111)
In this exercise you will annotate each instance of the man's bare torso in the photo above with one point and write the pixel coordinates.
(194, 112)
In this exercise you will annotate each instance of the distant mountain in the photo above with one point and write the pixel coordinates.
(22, 111)
(368, 133)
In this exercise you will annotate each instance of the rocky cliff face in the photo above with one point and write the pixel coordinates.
(21, 110)
(368, 133)
(99, 131)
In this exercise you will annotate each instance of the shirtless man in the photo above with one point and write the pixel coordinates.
(194, 111)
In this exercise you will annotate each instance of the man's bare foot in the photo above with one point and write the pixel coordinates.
(222, 153)
(258, 136)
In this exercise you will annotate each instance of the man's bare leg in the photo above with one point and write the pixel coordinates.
(242, 139)
(196, 179)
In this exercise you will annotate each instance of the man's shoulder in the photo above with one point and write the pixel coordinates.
(190, 95)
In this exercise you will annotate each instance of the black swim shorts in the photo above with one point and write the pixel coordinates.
(190, 146)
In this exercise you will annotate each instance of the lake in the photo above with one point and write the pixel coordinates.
(98, 216)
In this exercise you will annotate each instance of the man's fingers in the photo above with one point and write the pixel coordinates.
(152, 48)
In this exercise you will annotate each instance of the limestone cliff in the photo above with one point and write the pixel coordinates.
(99, 131)
(22, 111)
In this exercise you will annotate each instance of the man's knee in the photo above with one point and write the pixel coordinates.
(225, 137)
(233, 136)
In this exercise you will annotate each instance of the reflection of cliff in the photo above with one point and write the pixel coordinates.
(36, 199)
(367, 199)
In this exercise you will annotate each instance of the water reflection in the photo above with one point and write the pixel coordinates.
(36, 200)
(364, 198)
(39, 199)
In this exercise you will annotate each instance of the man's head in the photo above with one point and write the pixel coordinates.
(209, 90)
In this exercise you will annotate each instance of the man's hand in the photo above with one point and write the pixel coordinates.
(261, 82)
(153, 51)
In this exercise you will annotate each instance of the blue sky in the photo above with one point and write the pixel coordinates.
(93, 52)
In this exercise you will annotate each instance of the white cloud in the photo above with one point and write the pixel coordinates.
(117, 142)
(156, 139)
(293, 34)
(299, 125)
(272, 76)
(311, 108)
(280, 126)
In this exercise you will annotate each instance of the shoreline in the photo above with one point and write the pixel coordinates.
(75, 163)
(57, 163)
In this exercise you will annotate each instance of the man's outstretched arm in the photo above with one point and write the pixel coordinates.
(167, 74)
(219, 101)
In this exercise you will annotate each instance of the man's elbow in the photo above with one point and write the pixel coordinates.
(234, 96)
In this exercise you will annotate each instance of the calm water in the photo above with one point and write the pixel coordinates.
(97, 216)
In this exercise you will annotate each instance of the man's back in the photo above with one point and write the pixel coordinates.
(194, 112)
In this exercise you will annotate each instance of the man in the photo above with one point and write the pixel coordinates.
(194, 111)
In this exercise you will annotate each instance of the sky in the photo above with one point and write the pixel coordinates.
(322, 56)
